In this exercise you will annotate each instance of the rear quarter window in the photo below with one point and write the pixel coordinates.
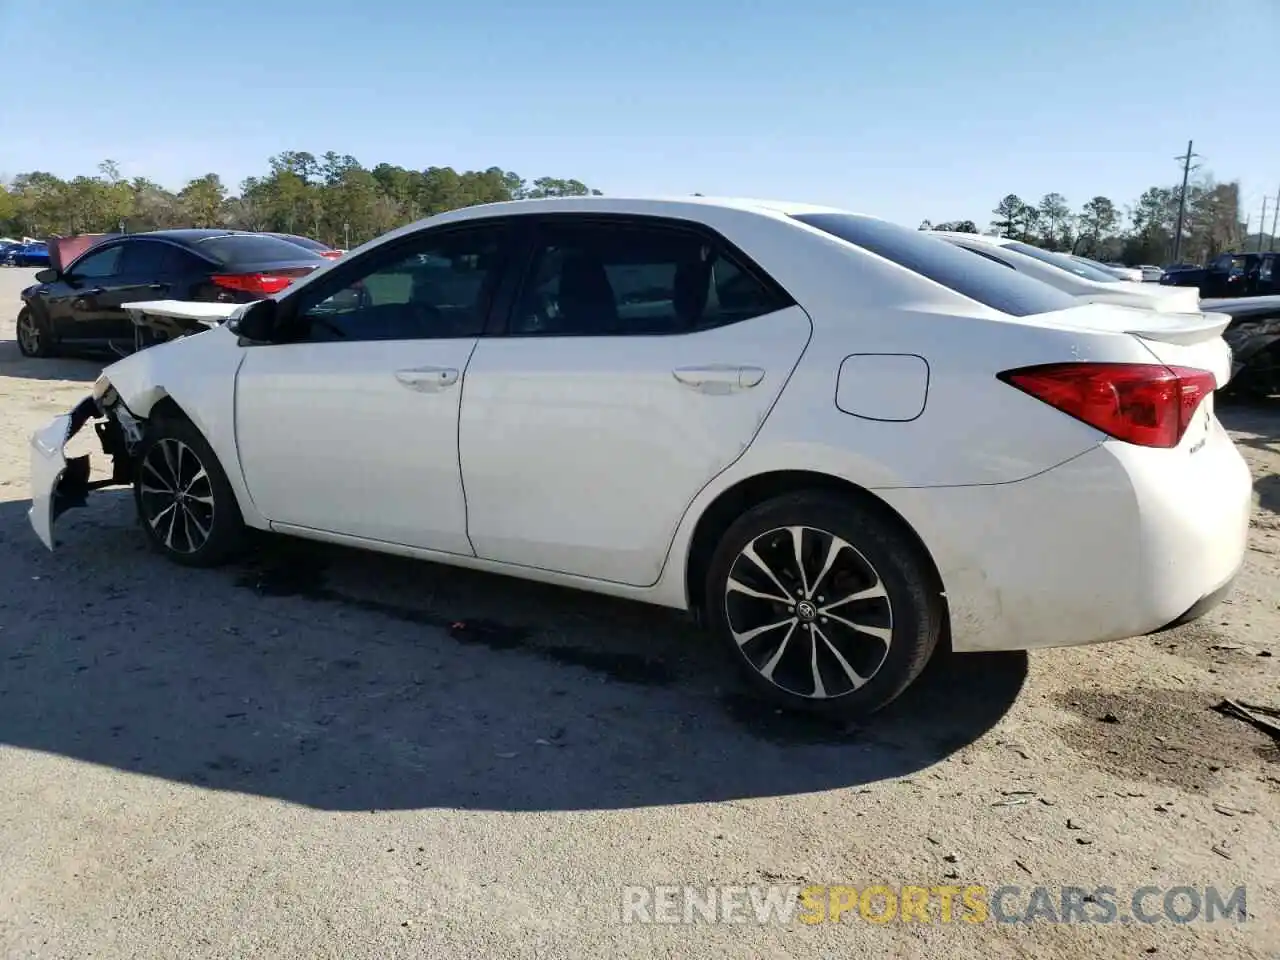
(976, 277)
(234, 249)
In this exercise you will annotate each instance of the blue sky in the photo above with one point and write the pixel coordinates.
(928, 108)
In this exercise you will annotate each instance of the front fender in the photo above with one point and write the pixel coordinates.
(198, 374)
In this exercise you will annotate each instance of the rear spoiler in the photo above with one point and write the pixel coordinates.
(1183, 329)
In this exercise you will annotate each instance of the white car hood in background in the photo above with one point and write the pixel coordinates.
(210, 313)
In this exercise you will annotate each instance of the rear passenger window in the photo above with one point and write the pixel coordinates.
(602, 279)
(144, 259)
(180, 263)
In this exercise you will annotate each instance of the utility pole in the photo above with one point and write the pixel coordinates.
(1182, 201)
(1275, 220)
(1262, 224)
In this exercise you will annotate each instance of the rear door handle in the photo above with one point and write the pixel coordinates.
(719, 377)
(427, 379)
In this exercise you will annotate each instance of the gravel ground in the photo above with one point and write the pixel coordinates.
(320, 753)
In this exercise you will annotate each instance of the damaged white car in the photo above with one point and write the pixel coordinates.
(838, 441)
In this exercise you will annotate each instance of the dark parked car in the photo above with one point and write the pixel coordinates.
(1254, 338)
(28, 255)
(81, 306)
(315, 246)
(1232, 275)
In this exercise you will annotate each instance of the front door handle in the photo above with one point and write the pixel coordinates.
(719, 377)
(427, 379)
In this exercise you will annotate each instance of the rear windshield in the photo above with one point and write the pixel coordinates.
(307, 243)
(237, 248)
(977, 278)
(1064, 262)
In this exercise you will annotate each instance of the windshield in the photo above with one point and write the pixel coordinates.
(978, 278)
(1063, 262)
(305, 242)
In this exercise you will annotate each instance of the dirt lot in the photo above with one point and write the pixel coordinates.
(325, 754)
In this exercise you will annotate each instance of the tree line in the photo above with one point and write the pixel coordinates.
(335, 199)
(332, 198)
(1140, 232)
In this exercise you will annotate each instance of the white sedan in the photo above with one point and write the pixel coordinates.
(1085, 280)
(838, 441)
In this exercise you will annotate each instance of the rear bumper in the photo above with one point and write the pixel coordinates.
(1201, 607)
(1118, 542)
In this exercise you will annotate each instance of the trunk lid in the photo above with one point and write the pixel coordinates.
(1174, 339)
(1177, 339)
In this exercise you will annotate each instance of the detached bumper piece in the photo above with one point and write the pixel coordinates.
(59, 484)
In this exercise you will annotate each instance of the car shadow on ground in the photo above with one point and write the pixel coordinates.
(1257, 426)
(343, 680)
(14, 364)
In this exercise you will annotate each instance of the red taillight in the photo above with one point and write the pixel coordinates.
(1148, 404)
(331, 254)
(259, 283)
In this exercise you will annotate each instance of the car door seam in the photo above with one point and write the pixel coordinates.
(662, 569)
(235, 433)
(457, 446)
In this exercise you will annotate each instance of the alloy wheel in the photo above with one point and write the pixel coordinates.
(809, 612)
(28, 334)
(176, 496)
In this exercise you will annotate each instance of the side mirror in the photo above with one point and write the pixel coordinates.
(256, 324)
(47, 275)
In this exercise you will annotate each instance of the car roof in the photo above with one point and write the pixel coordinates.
(187, 234)
(694, 208)
(650, 205)
(979, 237)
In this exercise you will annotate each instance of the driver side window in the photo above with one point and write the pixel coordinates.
(431, 289)
(104, 263)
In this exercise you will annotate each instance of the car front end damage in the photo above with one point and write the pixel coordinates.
(58, 484)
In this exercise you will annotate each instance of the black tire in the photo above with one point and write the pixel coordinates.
(33, 335)
(207, 527)
(910, 613)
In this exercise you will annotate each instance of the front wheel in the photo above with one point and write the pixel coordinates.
(34, 339)
(185, 503)
(826, 606)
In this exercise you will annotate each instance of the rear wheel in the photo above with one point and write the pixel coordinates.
(34, 338)
(826, 606)
(185, 503)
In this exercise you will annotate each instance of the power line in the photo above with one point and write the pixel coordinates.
(1182, 200)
